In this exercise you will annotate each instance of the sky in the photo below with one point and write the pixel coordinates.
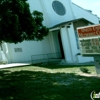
(93, 5)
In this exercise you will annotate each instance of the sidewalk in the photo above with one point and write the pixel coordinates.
(13, 65)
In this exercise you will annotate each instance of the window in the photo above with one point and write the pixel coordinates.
(77, 41)
(59, 8)
(18, 49)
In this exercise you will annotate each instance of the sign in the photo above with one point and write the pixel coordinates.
(89, 40)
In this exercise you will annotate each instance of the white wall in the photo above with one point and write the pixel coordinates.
(54, 18)
(56, 41)
(82, 13)
(70, 46)
(50, 44)
(50, 19)
(29, 48)
(36, 5)
(73, 43)
(66, 44)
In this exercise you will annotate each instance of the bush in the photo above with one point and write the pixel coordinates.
(84, 70)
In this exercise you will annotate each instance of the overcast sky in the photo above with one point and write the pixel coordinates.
(93, 5)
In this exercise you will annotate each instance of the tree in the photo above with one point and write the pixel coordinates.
(17, 23)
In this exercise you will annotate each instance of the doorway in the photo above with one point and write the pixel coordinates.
(61, 45)
(57, 42)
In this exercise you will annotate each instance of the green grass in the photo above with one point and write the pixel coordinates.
(50, 82)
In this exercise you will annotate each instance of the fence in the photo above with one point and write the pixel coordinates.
(46, 58)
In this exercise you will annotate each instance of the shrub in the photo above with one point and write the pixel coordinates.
(84, 70)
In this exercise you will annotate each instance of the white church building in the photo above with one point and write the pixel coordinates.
(62, 17)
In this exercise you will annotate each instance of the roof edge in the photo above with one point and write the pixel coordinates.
(68, 22)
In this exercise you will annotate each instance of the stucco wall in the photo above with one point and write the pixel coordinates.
(80, 58)
(54, 18)
(29, 48)
(56, 41)
(50, 43)
(37, 6)
(82, 13)
(50, 16)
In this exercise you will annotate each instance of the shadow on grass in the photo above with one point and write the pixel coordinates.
(64, 66)
(31, 85)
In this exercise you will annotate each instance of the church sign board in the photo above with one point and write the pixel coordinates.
(89, 41)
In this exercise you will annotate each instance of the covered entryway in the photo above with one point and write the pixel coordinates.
(67, 38)
(57, 42)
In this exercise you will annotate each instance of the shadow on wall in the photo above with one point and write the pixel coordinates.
(31, 85)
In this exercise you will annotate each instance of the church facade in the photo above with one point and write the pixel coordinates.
(62, 17)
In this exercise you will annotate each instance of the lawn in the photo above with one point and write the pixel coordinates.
(48, 82)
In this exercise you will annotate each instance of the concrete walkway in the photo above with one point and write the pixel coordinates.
(13, 65)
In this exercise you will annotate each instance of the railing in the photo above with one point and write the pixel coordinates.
(46, 58)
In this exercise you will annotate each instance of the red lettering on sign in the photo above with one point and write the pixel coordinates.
(89, 31)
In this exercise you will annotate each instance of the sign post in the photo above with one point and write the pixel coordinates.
(89, 41)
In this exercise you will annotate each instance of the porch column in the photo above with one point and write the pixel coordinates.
(66, 44)
(73, 42)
